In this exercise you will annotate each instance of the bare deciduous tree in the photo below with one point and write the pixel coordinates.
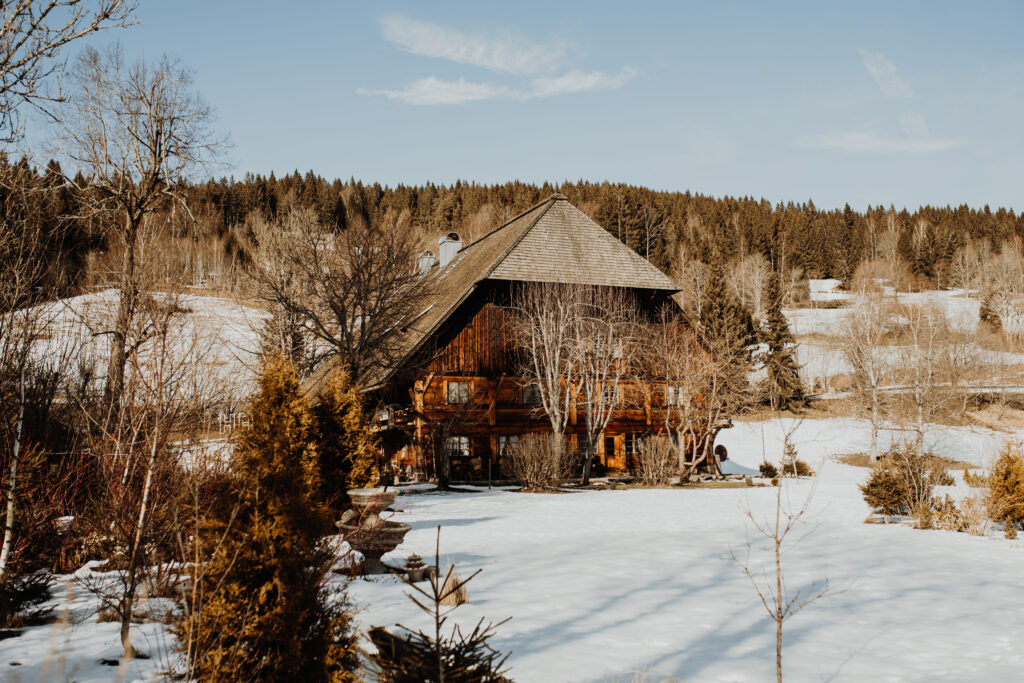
(692, 276)
(166, 387)
(863, 338)
(748, 278)
(543, 322)
(778, 600)
(26, 283)
(726, 392)
(673, 355)
(33, 34)
(605, 344)
(136, 132)
(348, 290)
(922, 365)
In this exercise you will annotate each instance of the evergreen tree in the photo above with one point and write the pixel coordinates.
(782, 381)
(987, 313)
(723, 318)
(265, 612)
(345, 443)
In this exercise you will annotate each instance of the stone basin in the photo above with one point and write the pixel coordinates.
(371, 501)
(372, 542)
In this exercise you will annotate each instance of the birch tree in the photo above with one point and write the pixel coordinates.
(25, 278)
(136, 132)
(604, 347)
(923, 364)
(863, 345)
(544, 325)
(165, 387)
(674, 356)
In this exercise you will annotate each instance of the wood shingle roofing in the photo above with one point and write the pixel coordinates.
(552, 241)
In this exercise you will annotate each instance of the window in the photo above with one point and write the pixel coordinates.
(457, 446)
(631, 441)
(458, 392)
(505, 443)
(531, 395)
(673, 395)
(610, 394)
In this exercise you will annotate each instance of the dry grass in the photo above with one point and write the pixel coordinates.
(864, 460)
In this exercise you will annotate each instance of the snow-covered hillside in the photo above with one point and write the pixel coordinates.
(219, 331)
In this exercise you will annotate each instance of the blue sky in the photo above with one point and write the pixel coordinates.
(884, 103)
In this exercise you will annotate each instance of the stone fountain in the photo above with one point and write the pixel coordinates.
(369, 534)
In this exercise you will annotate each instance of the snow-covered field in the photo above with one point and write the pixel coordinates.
(600, 585)
(819, 331)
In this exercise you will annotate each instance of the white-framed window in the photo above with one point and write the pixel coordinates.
(531, 394)
(673, 395)
(507, 442)
(611, 393)
(458, 392)
(457, 446)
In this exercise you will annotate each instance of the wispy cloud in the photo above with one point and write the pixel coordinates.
(433, 91)
(536, 69)
(873, 142)
(884, 73)
(436, 91)
(507, 52)
(578, 81)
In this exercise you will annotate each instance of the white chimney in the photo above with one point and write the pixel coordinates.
(448, 246)
(426, 262)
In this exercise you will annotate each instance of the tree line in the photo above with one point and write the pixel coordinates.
(217, 236)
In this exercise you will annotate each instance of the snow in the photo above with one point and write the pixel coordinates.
(600, 585)
(825, 290)
(221, 331)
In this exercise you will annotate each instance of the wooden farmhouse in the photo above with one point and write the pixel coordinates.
(460, 379)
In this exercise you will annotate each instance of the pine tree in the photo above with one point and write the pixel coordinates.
(782, 383)
(265, 612)
(345, 443)
(723, 317)
(987, 313)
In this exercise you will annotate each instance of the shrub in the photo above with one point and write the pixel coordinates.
(978, 481)
(22, 597)
(922, 514)
(1006, 488)
(656, 461)
(975, 513)
(260, 608)
(948, 516)
(768, 470)
(540, 461)
(791, 465)
(344, 440)
(901, 481)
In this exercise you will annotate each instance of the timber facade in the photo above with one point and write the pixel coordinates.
(460, 386)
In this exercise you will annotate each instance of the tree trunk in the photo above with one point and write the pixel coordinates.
(585, 479)
(12, 482)
(779, 609)
(127, 605)
(874, 427)
(127, 296)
